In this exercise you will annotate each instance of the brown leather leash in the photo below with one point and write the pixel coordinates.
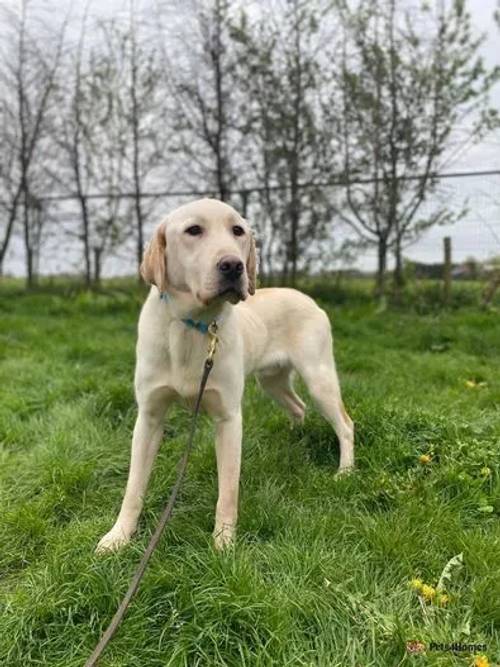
(166, 514)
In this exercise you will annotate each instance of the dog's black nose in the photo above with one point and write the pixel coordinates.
(230, 267)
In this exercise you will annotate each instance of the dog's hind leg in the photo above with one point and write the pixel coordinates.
(279, 386)
(316, 365)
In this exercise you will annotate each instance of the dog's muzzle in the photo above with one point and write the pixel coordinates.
(230, 269)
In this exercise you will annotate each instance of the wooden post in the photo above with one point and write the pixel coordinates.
(447, 270)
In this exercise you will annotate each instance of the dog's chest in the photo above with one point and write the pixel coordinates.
(185, 388)
(184, 376)
(184, 363)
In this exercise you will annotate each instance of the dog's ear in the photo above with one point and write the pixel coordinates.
(252, 266)
(154, 262)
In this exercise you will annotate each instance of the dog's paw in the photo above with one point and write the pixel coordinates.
(224, 536)
(112, 541)
(344, 471)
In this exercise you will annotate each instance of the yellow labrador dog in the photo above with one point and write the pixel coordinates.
(201, 264)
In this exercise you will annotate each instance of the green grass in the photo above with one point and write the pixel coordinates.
(320, 571)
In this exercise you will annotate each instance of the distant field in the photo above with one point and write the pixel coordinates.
(321, 570)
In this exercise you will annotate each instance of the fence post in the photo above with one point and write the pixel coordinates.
(447, 270)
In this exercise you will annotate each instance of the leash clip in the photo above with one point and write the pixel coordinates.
(213, 339)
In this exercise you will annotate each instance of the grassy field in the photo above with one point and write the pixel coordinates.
(321, 569)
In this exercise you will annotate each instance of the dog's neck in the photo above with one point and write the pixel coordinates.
(182, 306)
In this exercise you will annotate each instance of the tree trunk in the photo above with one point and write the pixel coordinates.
(140, 236)
(86, 244)
(27, 240)
(97, 266)
(293, 250)
(295, 157)
(398, 276)
(244, 203)
(28, 254)
(30, 274)
(293, 247)
(8, 231)
(86, 240)
(220, 110)
(284, 272)
(381, 269)
(136, 147)
(83, 203)
(139, 217)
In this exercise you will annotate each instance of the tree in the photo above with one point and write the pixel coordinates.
(403, 92)
(149, 134)
(202, 93)
(10, 191)
(106, 139)
(112, 136)
(93, 132)
(69, 134)
(29, 70)
(279, 78)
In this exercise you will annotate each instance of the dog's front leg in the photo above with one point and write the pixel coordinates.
(228, 449)
(147, 436)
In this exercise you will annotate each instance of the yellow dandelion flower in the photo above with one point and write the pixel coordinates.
(472, 384)
(416, 584)
(481, 661)
(428, 593)
(443, 599)
(424, 459)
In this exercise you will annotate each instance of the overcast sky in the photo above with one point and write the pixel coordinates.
(477, 234)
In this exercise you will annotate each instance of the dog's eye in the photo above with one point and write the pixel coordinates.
(238, 231)
(194, 230)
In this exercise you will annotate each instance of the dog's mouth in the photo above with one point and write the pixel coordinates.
(231, 293)
(226, 292)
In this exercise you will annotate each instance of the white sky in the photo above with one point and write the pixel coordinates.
(477, 234)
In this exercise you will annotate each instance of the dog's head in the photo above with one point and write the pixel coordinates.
(204, 248)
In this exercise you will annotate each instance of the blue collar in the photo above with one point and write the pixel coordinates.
(200, 326)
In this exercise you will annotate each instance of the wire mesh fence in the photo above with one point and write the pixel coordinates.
(474, 194)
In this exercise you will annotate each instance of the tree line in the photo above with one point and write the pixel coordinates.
(260, 108)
